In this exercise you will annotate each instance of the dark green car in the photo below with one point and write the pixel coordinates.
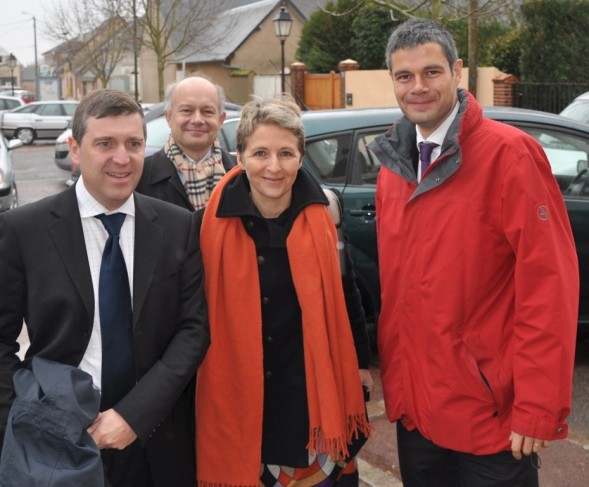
(336, 156)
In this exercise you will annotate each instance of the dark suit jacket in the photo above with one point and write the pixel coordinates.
(45, 279)
(160, 179)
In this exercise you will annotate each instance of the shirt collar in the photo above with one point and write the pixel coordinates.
(439, 134)
(89, 207)
(206, 156)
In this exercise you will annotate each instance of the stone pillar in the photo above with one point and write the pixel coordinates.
(297, 82)
(503, 90)
(343, 66)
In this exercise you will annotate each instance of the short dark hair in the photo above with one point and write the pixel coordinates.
(415, 32)
(104, 102)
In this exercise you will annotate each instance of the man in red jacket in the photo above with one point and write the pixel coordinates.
(479, 280)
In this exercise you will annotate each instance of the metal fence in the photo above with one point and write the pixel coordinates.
(548, 97)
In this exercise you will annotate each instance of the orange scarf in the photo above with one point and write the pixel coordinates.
(230, 381)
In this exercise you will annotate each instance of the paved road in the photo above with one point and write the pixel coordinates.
(565, 463)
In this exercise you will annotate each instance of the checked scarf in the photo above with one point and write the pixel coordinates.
(200, 178)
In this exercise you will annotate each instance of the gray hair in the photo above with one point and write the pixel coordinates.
(415, 32)
(172, 87)
(101, 103)
(280, 110)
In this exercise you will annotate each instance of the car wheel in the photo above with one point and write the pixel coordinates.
(14, 197)
(26, 135)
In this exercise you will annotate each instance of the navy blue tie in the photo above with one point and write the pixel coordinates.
(114, 304)
(425, 154)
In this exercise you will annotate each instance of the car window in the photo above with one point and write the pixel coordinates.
(27, 109)
(10, 104)
(339, 159)
(69, 108)
(228, 136)
(51, 110)
(329, 157)
(367, 166)
(568, 155)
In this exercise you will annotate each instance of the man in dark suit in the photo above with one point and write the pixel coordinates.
(190, 165)
(51, 276)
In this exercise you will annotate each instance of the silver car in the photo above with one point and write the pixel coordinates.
(38, 120)
(8, 193)
(8, 103)
(578, 109)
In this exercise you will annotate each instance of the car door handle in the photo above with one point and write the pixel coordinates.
(367, 211)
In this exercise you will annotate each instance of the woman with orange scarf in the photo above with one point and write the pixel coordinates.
(279, 395)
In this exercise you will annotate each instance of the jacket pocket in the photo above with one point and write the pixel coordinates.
(492, 373)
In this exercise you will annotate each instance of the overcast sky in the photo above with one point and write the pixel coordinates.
(16, 28)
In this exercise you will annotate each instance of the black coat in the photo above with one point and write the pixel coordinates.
(286, 419)
(46, 280)
(160, 179)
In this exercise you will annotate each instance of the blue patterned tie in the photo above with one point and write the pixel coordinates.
(114, 304)
(425, 154)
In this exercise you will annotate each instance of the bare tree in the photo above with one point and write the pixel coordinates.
(173, 29)
(93, 33)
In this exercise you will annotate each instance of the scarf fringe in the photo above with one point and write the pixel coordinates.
(338, 447)
(204, 483)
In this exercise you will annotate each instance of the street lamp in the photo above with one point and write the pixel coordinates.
(37, 94)
(282, 26)
(11, 65)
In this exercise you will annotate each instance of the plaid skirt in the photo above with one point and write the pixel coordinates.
(322, 472)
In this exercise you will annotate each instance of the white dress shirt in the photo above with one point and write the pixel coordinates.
(95, 236)
(437, 137)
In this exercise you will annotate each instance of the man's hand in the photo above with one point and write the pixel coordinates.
(525, 445)
(110, 430)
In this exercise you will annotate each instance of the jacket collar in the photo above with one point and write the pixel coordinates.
(396, 149)
(236, 201)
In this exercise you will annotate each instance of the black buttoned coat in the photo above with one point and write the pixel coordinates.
(286, 419)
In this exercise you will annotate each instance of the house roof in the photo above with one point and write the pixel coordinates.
(231, 29)
(305, 7)
(235, 25)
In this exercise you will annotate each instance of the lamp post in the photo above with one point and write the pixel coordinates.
(37, 94)
(282, 26)
(11, 65)
(135, 53)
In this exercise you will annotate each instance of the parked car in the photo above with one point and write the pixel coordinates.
(24, 95)
(336, 156)
(38, 120)
(578, 109)
(157, 134)
(8, 192)
(8, 103)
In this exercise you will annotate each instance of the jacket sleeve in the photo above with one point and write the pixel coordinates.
(156, 393)
(354, 304)
(537, 227)
(12, 300)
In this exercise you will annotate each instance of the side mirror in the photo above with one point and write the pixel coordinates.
(14, 144)
(581, 164)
